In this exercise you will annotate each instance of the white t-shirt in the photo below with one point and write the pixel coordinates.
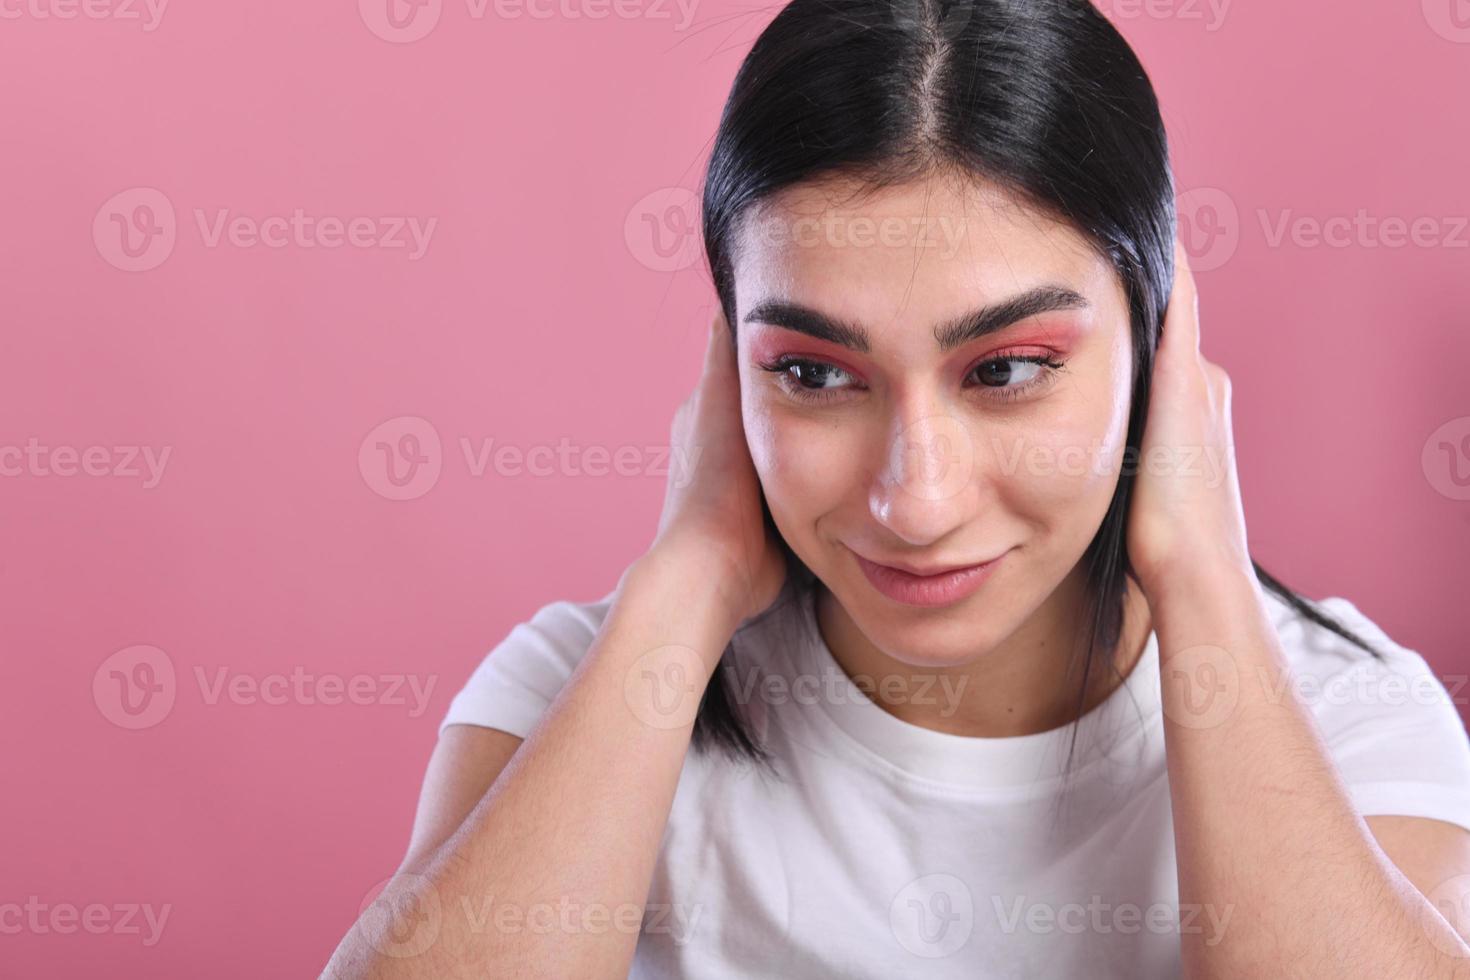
(883, 849)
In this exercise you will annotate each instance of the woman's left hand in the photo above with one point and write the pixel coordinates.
(1186, 516)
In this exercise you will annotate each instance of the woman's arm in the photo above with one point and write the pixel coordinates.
(1265, 833)
(1269, 846)
(549, 873)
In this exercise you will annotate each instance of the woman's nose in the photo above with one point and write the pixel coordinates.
(921, 490)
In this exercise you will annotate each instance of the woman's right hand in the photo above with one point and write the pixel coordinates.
(715, 517)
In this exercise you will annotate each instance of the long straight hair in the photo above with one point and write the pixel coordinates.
(1042, 97)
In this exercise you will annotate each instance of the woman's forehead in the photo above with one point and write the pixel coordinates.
(934, 235)
(916, 254)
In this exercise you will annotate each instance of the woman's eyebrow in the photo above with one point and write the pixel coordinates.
(949, 335)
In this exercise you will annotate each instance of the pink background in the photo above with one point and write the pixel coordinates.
(541, 311)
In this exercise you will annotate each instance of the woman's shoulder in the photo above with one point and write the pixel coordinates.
(1315, 649)
(1391, 722)
(1333, 672)
(520, 676)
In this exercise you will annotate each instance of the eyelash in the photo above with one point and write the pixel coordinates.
(783, 364)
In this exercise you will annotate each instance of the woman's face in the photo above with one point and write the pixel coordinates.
(918, 430)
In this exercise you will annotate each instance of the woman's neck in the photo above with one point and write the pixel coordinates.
(1021, 687)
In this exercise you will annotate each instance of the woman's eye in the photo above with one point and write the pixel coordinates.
(1001, 378)
(814, 374)
(1001, 372)
(808, 380)
(1015, 375)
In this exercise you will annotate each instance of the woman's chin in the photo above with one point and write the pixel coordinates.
(937, 643)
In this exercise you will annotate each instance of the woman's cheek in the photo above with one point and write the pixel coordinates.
(1060, 467)
(806, 466)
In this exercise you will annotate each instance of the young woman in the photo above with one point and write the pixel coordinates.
(951, 660)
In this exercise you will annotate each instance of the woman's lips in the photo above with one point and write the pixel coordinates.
(927, 590)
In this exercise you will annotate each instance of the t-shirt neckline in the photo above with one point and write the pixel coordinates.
(1108, 736)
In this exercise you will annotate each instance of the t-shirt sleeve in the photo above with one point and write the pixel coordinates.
(513, 685)
(1391, 725)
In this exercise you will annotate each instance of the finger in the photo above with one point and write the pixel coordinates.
(718, 355)
(1181, 321)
